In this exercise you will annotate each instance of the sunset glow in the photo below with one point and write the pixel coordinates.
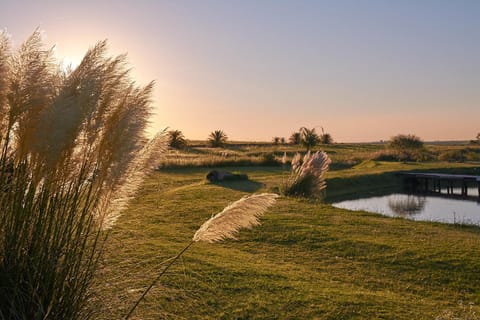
(256, 70)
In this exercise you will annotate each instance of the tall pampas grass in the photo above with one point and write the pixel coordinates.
(73, 152)
(307, 178)
(241, 214)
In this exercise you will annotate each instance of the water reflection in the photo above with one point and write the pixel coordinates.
(430, 207)
(406, 205)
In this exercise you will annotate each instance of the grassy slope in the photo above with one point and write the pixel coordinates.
(307, 260)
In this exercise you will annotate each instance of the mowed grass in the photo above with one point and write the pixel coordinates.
(308, 260)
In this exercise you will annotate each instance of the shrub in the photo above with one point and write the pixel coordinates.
(217, 138)
(268, 159)
(453, 156)
(403, 142)
(404, 156)
(404, 148)
(307, 178)
(69, 144)
(460, 155)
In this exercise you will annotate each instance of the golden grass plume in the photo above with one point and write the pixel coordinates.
(241, 214)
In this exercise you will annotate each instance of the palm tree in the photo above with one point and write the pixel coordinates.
(217, 138)
(326, 138)
(295, 138)
(176, 139)
(309, 138)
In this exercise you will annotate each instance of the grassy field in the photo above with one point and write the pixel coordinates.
(308, 260)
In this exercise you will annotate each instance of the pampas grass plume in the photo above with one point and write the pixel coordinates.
(242, 214)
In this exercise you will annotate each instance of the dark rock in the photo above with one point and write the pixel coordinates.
(218, 176)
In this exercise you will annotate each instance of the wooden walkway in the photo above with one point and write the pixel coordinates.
(436, 181)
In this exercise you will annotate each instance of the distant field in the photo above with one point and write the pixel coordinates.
(344, 155)
(308, 260)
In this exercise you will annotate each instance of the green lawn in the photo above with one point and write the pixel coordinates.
(308, 260)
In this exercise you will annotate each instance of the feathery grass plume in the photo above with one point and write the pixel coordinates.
(4, 80)
(241, 214)
(33, 85)
(115, 201)
(307, 178)
(69, 146)
(284, 158)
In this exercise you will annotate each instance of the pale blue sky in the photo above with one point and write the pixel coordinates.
(364, 70)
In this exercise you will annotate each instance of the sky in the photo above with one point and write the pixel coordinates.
(361, 70)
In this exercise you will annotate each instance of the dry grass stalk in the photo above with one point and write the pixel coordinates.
(243, 213)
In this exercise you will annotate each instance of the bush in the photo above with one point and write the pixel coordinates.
(460, 155)
(404, 148)
(269, 159)
(405, 142)
(404, 156)
(453, 156)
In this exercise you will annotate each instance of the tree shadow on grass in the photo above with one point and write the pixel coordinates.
(240, 185)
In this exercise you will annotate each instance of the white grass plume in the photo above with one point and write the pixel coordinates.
(241, 214)
(4, 79)
(114, 202)
(308, 175)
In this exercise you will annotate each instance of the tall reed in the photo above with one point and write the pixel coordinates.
(69, 148)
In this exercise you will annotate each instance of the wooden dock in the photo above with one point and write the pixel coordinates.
(434, 182)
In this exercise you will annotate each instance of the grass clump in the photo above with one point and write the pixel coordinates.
(72, 151)
(307, 178)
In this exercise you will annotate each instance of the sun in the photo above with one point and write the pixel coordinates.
(68, 58)
(70, 62)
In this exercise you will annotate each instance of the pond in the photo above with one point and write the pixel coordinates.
(419, 207)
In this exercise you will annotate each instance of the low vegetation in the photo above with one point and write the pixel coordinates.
(73, 153)
(323, 262)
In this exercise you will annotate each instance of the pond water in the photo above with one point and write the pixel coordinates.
(419, 207)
